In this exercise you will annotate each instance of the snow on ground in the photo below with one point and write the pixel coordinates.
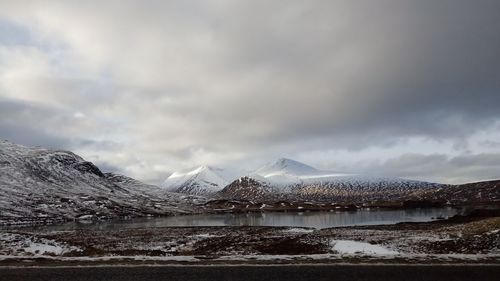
(205, 235)
(42, 248)
(16, 244)
(299, 230)
(442, 242)
(494, 231)
(350, 247)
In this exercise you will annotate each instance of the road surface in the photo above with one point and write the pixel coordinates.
(259, 273)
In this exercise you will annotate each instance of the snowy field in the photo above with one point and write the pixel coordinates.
(471, 242)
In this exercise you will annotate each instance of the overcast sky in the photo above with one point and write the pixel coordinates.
(145, 88)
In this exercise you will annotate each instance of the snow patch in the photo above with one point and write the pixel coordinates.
(205, 235)
(18, 244)
(299, 230)
(493, 231)
(43, 249)
(350, 247)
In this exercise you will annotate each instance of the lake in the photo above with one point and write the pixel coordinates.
(294, 219)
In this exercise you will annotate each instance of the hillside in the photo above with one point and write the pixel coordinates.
(39, 184)
(469, 193)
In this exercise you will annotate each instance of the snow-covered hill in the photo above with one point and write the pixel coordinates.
(296, 180)
(286, 166)
(286, 179)
(200, 181)
(39, 184)
(287, 173)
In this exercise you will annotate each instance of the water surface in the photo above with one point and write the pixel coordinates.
(294, 219)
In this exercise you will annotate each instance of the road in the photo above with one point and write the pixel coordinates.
(259, 273)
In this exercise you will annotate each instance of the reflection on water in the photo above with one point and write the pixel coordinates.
(305, 219)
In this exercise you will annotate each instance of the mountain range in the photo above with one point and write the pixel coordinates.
(289, 178)
(42, 185)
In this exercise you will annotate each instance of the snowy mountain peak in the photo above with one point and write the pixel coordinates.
(202, 180)
(199, 170)
(282, 176)
(286, 166)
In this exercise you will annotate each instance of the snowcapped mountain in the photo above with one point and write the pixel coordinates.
(202, 180)
(285, 166)
(300, 181)
(290, 179)
(286, 173)
(39, 184)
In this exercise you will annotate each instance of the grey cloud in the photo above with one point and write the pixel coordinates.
(226, 81)
(31, 137)
(27, 125)
(38, 125)
(491, 144)
(424, 69)
(108, 168)
(441, 167)
(12, 34)
(97, 145)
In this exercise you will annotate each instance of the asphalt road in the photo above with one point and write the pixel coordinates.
(260, 273)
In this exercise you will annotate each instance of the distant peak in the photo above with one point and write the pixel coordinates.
(207, 168)
(286, 165)
(282, 160)
(285, 161)
(202, 167)
(195, 171)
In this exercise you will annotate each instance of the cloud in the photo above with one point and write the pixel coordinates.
(441, 167)
(181, 83)
(18, 122)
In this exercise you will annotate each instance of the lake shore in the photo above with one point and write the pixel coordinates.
(472, 239)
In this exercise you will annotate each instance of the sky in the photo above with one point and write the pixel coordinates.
(145, 88)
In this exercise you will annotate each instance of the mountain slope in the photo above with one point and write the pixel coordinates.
(202, 180)
(477, 192)
(39, 184)
(246, 188)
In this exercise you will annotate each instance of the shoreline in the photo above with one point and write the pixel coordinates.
(452, 241)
